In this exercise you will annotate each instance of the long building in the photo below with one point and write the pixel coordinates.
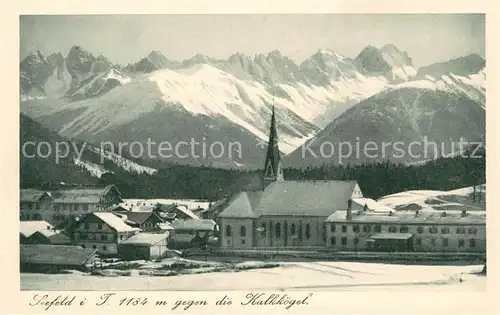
(418, 231)
(57, 206)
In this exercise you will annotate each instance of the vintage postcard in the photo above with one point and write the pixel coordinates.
(252, 161)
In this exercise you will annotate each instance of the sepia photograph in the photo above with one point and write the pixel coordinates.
(257, 152)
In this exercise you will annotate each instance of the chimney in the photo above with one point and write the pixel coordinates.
(349, 210)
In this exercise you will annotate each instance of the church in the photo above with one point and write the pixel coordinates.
(283, 213)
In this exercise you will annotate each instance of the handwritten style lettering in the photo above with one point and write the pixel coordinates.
(274, 299)
(44, 300)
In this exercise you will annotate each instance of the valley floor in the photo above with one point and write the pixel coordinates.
(289, 276)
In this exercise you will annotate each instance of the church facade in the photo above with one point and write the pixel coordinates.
(284, 213)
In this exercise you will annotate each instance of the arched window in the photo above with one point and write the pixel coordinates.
(308, 231)
(228, 230)
(278, 230)
(243, 231)
(293, 229)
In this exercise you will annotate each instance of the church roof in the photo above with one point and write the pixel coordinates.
(243, 205)
(292, 198)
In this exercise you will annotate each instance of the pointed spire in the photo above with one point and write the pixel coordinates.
(272, 168)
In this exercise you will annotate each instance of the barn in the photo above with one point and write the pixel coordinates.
(50, 258)
(144, 246)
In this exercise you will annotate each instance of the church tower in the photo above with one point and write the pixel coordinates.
(273, 170)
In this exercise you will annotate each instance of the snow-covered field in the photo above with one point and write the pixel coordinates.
(457, 199)
(290, 276)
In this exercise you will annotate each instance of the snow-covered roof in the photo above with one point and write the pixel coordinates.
(145, 239)
(194, 224)
(114, 222)
(304, 198)
(81, 195)
(372, 205)
(27, 228)
(55, 237)
(165, 226)
(411, 217)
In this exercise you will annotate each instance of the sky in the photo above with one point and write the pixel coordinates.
(123, 39)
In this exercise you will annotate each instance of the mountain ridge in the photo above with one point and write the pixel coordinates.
(90, 96)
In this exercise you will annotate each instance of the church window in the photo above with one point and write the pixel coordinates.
(243, 231)
(308, 231)
(293, 229)
(378, 229)
(278, 230)
(228, 230)
(355, 228)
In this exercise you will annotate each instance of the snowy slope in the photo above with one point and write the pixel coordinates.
(432, 200)
(124, 163)
(199, 90)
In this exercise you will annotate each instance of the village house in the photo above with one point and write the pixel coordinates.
(60, 205)
(420, 231)
(146, 221)
(28, 228)
(214, 209)
(35, 205)
(73, 202)
(49, 237)
(120, 208)
(102, 231)
(193, 232)
(173, 212)
(144, 246)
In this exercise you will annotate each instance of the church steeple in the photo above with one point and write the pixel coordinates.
(272, 167)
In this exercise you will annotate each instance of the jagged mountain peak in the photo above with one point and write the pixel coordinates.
(156, 53)
(370, 60)
(462, 66)
(388, 61)
(34, 57)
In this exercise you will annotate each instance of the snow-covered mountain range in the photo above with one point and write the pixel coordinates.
(90, 98)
